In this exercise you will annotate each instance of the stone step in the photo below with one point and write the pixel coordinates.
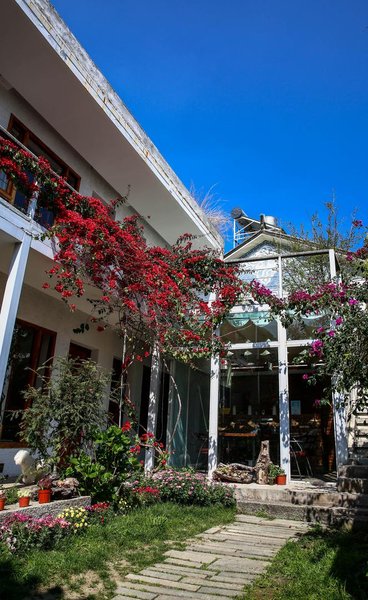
(354, 471)
(353, 485)
(311, 514)
(327, 498)
(361, 443)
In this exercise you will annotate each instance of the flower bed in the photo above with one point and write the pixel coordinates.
(21, 531)
(184, 487)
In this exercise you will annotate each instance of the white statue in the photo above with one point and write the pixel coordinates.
(27, 463)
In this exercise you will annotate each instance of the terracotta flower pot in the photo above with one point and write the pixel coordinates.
(44, 496)
(2, 503)
(281, 479)
(24, 501)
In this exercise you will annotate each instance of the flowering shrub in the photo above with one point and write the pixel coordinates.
(186, 487)
(20, 532)
(157, 292)
(146, 494)
(102, 473)
(77, 518)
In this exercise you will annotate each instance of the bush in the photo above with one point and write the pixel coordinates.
(186, 487)
(102, 473)
(20, 532)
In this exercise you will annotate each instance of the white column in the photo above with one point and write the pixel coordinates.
(9, 307)
(338, 402)
(284, 403)
(154, 397)
(340, 429)
(213, 416)
(284, 410)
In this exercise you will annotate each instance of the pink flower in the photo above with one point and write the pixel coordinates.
(305, 377)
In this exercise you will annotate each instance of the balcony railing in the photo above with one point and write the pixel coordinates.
(33, 205)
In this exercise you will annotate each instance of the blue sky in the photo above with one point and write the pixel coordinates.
(266, 100)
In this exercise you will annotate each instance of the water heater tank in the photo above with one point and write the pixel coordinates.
(270, 221)
(237, 213)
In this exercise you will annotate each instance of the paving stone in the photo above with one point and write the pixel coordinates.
(238, 565)
(162, 590)
(198, 557)
(257, 531)
(161, 574)
(240, 578)
(219, 550)
(219, 592)
(184, 563)
(176, 569)
(125, 592)
(160, 581)
(213, 584)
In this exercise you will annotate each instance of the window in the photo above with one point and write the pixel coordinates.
(31, 347)
(8, 190)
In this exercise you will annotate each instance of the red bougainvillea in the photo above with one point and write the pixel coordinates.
(172, 297)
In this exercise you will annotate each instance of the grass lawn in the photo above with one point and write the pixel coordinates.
(87, 566)
(322, 565)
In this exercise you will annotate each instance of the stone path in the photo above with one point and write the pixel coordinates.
(217, 563)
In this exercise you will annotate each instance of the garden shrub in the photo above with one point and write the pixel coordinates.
(187, 487)
(102, 473)
(19, 532)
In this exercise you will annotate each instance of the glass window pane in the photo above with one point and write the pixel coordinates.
(246, 327)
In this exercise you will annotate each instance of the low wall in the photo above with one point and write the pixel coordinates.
(40, 510)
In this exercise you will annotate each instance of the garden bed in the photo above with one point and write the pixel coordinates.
(40, 510)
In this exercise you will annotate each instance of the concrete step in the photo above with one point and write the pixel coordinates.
(352, 485)
(361, 443)
(354, 471)
(323, 498)
(312, 514)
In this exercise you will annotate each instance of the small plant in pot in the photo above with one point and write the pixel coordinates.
(276, 474)
(281, 477)
(273, 471)
(44, 493)
(24, 496)
(2, 499)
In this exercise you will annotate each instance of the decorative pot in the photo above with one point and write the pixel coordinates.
(271, 481)
(281, 479)
(24, 501)
(44, 496)
(2, 503)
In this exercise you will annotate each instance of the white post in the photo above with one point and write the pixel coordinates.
(340, 430)
(154, 397)
(9, 307)
(284, 411)
(338, 402)
(213, 417)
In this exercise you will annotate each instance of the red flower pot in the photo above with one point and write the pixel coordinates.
(2, 503)
(23, 502)
(44, 496)
(281, 479)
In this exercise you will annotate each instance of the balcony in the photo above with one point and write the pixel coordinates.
(37, 205)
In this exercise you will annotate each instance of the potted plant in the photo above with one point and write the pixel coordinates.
(281, 477)
(2, 499)
(44, 493)
(24, 496)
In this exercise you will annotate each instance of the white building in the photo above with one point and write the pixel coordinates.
(55, 102)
